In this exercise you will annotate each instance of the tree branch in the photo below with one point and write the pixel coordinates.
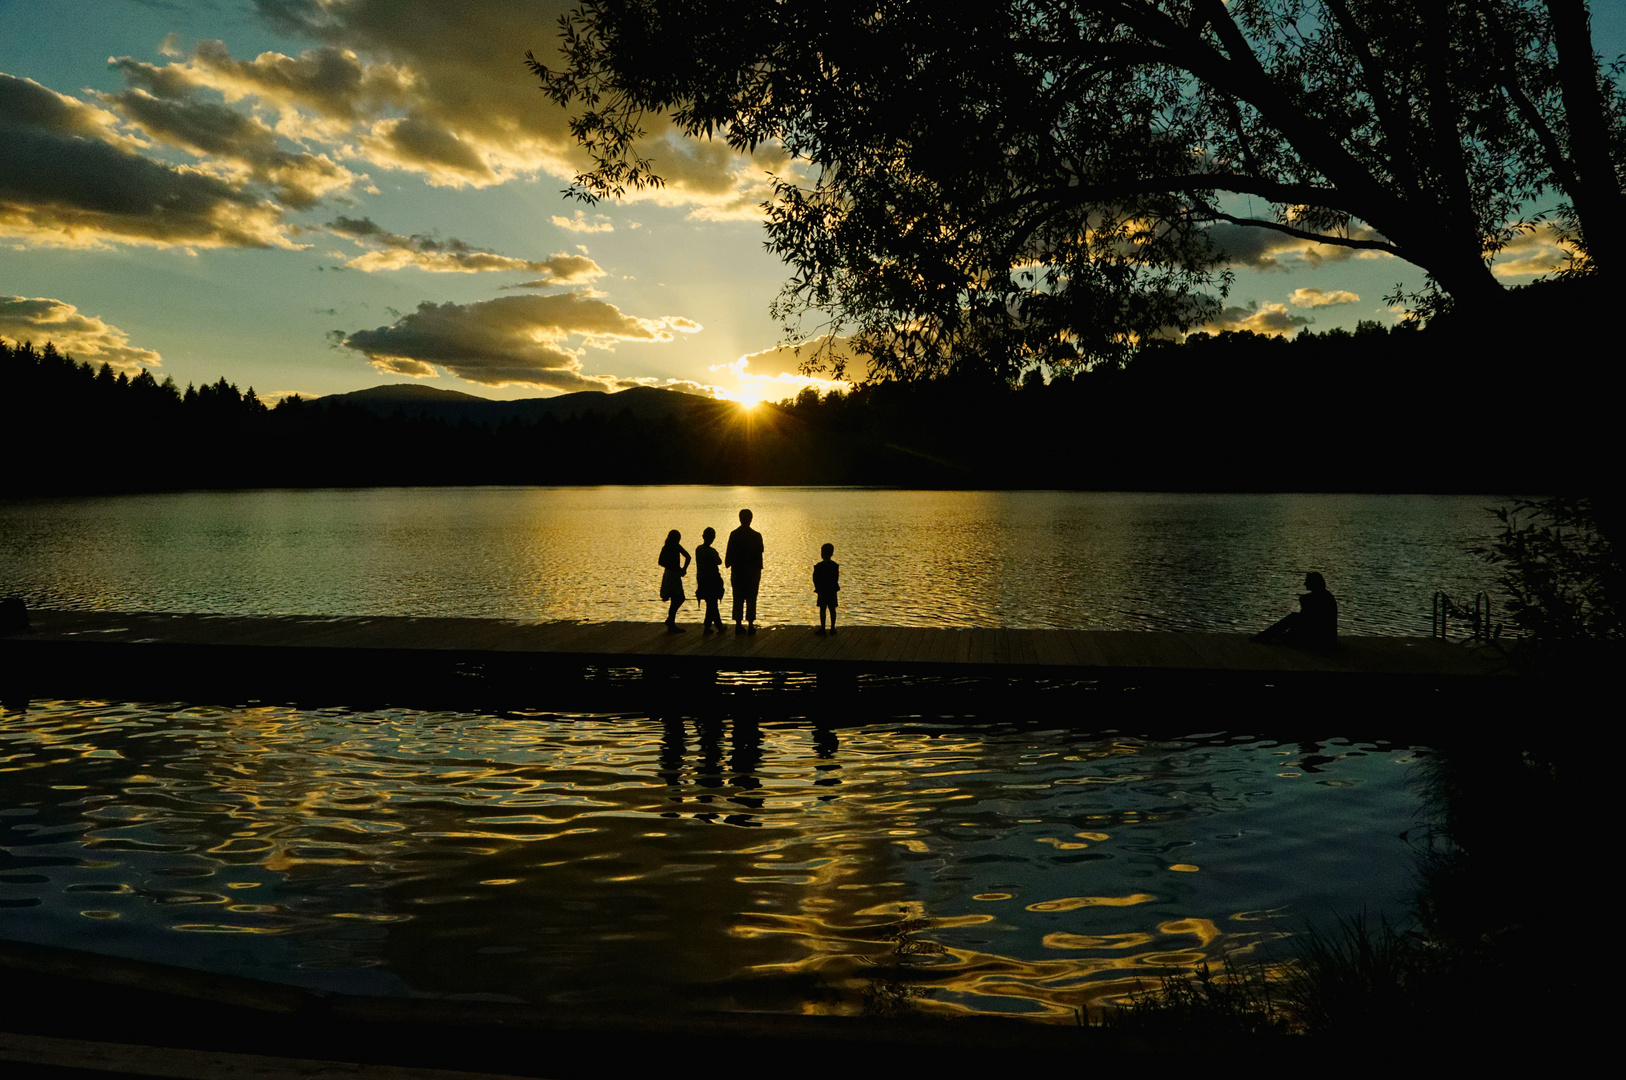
(1303, 234)
(1397, 129)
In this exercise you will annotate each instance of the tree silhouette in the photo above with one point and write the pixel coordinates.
(1025, 181)
(1152, 425)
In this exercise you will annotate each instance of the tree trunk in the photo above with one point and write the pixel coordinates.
(1599, 202)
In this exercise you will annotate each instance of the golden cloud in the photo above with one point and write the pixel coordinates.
(578, 223)
(1539, 251)
(69, 179)
(392, 251)
(512, 339)
(794, 367)
(86, 337)
(1271, 319)
(236, 146)
(440, 90)
(1314, 298)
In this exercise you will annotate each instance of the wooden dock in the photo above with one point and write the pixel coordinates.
(301, 655)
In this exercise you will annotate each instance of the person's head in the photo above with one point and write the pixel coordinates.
(1315, 582)
(709, 535)
(745, 517)
(673, 537)
(827, 550)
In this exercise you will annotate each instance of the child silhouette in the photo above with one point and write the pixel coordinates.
(826, 583)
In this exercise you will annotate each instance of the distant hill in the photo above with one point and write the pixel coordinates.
(452, 406)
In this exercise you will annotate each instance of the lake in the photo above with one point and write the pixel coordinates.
(663, 864)
(1025, 863)
(1089, 560)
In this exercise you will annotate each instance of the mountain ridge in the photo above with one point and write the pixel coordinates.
(455, 406)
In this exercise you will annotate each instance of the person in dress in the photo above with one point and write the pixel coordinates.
(826, 583)
(708, 579)
(743, 558)
(675, 561)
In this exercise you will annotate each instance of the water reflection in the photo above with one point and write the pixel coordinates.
(1126, 561)
(680, 862)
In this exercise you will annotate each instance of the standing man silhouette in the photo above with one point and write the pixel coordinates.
(744, 561)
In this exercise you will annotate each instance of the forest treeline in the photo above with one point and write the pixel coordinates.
(1369, 410)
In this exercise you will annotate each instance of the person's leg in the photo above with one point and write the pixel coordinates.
(832, 616)
(1282, 628)
(671, 615)
(739, 604)
(821, 617)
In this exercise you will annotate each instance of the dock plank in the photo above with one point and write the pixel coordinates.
(1053, 649)
(856, 649)
(906, 644)
(1024, 650)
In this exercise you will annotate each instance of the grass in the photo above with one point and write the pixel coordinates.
(1356, 979)
(1240, 1000)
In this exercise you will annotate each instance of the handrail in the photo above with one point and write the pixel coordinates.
(1478, 616)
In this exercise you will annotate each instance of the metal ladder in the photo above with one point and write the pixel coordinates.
(1478, 617)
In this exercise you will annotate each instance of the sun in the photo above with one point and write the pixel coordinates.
(747, 399)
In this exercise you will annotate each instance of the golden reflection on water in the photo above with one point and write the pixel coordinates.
(960, 980)
(679, 862)
(1108, 560)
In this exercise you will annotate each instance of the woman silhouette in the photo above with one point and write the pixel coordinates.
(708, 579)
(675, 561)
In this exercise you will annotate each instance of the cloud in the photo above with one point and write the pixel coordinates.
(1314, 298)
(237, 145)
(440, 90)
(326, 89)
(823, 352)
(751, 386)
(1531, 253)
(578, 222)
(69, 178)
(1259, 318)
(86, 337)
(1266, 249)
(512, 339)
(392, 251)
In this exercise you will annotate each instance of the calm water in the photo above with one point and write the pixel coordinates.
(663, 864)
(1076, 559)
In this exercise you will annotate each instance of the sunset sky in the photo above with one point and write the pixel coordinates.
(355, 192)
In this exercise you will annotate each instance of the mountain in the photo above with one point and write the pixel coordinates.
(452, 406)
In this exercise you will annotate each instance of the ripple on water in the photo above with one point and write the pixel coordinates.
(680, 862)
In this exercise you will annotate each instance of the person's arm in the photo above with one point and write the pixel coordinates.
(686, 559)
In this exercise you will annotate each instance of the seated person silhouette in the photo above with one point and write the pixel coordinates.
(1314, 625)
